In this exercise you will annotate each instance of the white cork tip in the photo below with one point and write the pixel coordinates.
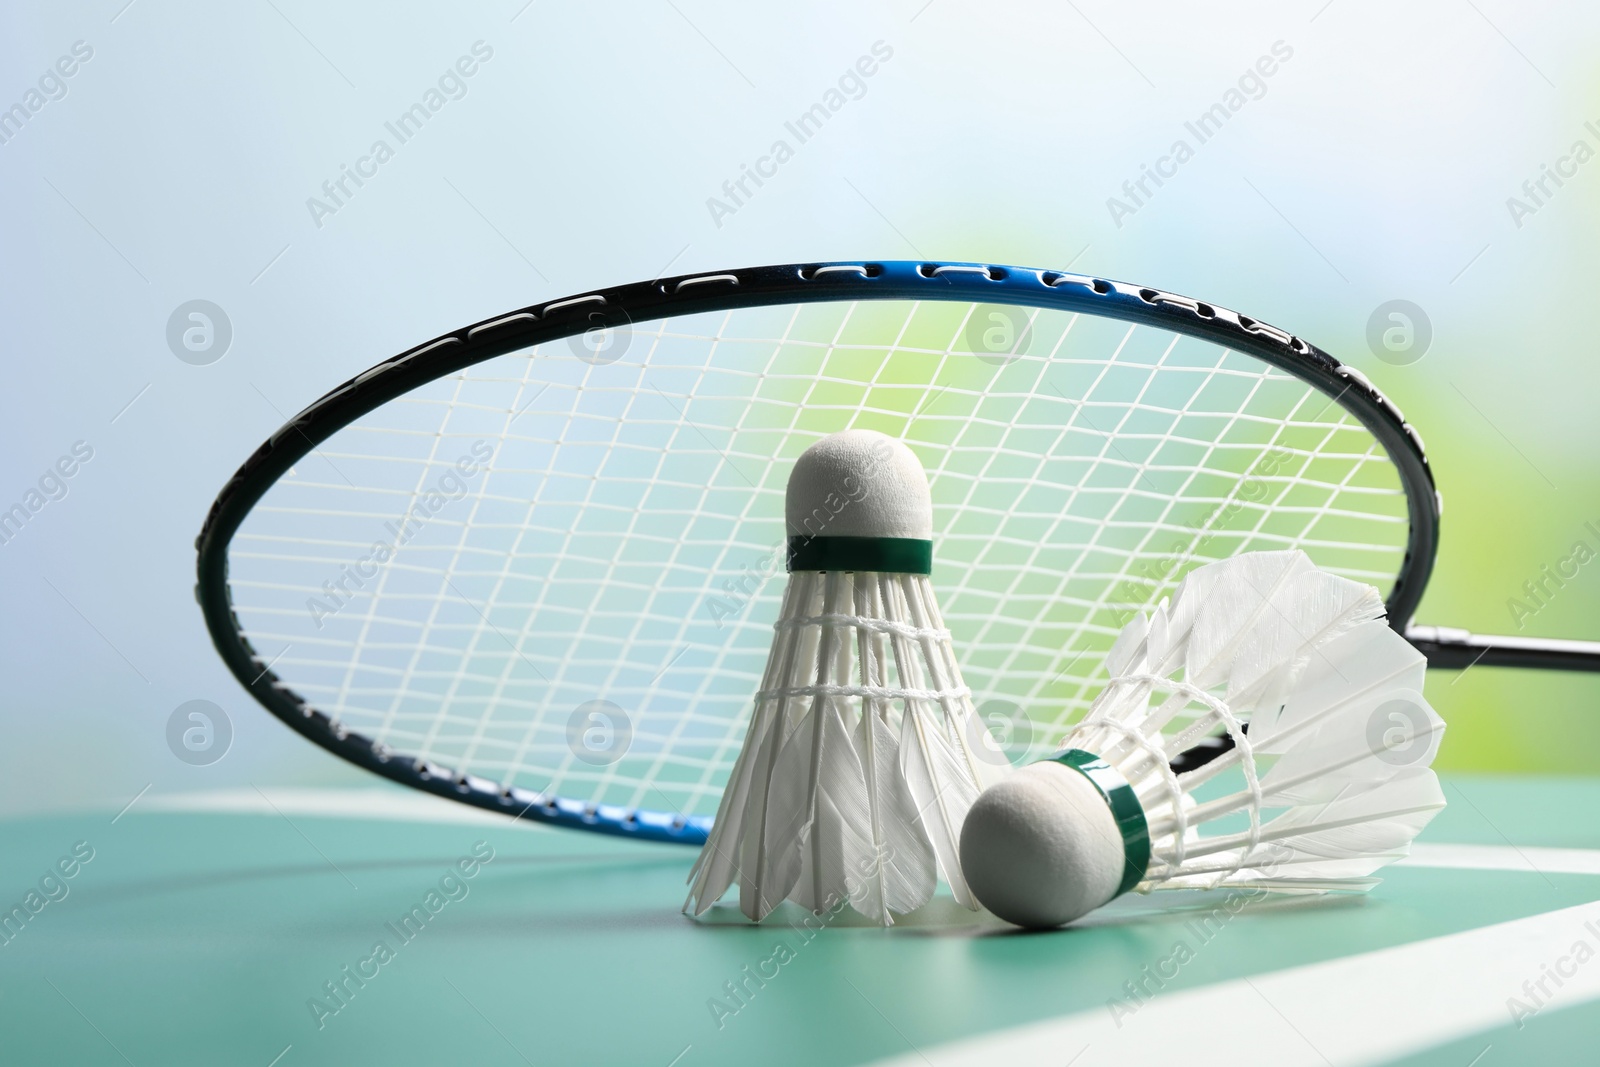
(859, 483)
(1042, 848)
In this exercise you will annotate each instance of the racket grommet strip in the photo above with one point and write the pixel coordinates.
(524, 317)
(577, 301)
(704, 279)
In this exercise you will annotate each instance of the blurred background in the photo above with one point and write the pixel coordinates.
(1411, 187)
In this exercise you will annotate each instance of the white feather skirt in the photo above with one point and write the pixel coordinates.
(861, 760)
(1331, 781)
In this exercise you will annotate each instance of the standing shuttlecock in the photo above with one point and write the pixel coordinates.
(1338, 743)
(858, 769)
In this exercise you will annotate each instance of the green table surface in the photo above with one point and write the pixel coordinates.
(206, 936)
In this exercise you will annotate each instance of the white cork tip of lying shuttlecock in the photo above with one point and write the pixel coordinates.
(1041, 848)
(859, 483)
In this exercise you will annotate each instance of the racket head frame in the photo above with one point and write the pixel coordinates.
(624, 305)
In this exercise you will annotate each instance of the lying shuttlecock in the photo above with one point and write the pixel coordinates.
(1338, 743)
(858, 767)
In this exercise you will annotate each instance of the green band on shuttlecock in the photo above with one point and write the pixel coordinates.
(895, 555)
(1125, 808)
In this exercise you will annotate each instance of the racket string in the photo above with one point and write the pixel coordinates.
(624, 543)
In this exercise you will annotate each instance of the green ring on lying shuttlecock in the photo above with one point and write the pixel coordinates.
(1125, 808)
(893, 555)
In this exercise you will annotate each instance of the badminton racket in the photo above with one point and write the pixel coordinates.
(533, 565)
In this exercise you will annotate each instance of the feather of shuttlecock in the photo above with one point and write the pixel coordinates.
(858, 766)
(1330, 734)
